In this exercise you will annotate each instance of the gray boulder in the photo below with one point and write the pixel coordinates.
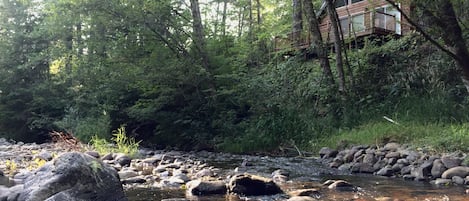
(457, 180)
(460, 171)
(339, 185)
(247, 184)
(122, 159)
(199, 187)
(438, 168)
(74, 177)
(327, 152)
(450, 162)
(386, 171)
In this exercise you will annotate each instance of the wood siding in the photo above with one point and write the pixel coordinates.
(366, 8)
(372, 24)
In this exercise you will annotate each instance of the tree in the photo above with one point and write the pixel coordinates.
(297, 27)
(198, 35)
(336, 30)
(318, 45)
(25, 82)
(443, 22)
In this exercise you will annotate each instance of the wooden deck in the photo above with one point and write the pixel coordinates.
(373, 23)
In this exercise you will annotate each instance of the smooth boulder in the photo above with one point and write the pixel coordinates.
(199, 187)
(74, 177)
(460, 171)
(246, 184)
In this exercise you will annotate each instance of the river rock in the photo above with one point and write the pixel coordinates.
(93, 153)
(122, 159)
(340, 185)
(247, 184)
(134, 180)
(108, 156)
(10, 194)
(311, 192)
(301, 198)
(457, 180)
(204, 173)
(362, 168)
(460, 171)
(392, 146)
(74, 177)
(345, 167)
(44, 155)
(125, 174)
(199, 187)
(450, 162)
(380, 164)
(438, 168)
(386, 171)
(348, 156)
(280, 176)
(327, 152)
(443, 182)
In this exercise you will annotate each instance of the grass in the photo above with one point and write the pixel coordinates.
(121, 143)
(437, 137)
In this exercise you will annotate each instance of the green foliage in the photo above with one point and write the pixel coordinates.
(88, 66)
(122, 143)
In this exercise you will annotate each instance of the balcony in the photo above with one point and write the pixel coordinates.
(353, 27)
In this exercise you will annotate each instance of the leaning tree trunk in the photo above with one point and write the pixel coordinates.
(337, 44)
(317, 42)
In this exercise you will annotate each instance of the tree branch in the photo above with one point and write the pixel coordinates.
(423, 32)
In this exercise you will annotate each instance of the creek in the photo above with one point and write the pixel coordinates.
(307, 173)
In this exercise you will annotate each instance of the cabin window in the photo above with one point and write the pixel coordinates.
(358, 23)
(345, 26)
(340, 3)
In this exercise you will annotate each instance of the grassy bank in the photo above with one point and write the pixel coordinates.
(437, 137)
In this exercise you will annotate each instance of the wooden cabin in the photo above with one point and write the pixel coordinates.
(358, 19)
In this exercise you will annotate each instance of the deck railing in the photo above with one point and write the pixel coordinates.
(362, 24)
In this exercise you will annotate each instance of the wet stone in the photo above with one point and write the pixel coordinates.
(458, 180)
(450, 162)
(444, 182)
(301, 198)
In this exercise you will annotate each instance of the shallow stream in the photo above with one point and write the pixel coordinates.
(308, 173)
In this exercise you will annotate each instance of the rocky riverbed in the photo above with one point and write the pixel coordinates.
(174, 175)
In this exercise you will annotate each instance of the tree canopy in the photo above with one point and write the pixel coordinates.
(203, 74)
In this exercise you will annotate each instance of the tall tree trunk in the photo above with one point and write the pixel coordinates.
(337, 44)
(258, 6)
(297, 27)
(317, 42)
(241, 20)
(79, 40)
(198, 35)
(250, 33)
(223, 21)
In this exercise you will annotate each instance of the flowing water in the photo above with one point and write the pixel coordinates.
(308, 173)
